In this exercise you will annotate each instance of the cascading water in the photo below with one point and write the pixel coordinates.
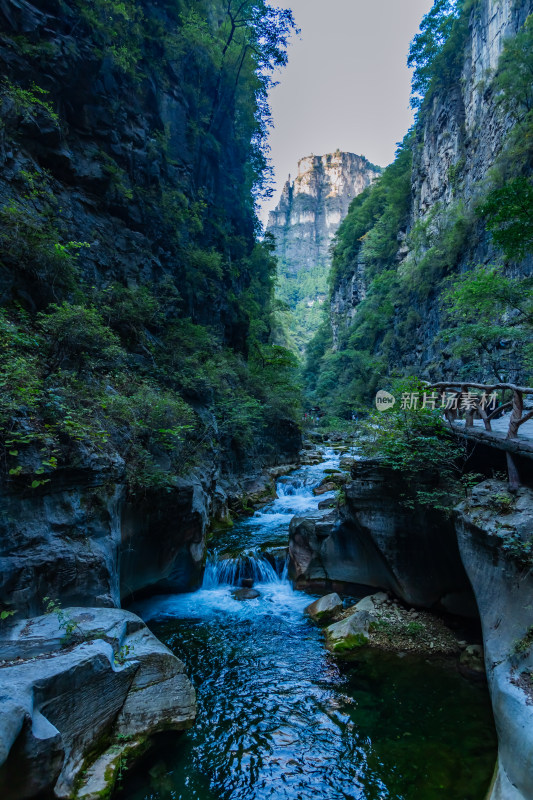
(231, 571)
(281, 719)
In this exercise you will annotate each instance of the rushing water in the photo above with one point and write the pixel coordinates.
(278, 717)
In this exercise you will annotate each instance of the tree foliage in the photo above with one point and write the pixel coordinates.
(489, 322)
(416, 443)
(173, 362)
(507, 212)
(427, 45)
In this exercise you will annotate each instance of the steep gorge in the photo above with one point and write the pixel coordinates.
(304, 224)
(433, 216)
(144, 395)
(136, 301)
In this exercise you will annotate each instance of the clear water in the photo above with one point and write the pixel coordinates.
(278, 717)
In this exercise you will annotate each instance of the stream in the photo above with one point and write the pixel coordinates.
(278, 716)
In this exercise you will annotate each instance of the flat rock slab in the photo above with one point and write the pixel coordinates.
(73, 679)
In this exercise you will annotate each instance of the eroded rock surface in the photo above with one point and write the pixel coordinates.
(378, 542)
(312, 207)
(75, 684)
(325, 608)
(493, 529)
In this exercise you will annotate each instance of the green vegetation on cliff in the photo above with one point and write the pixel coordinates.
(137, 303)
(368, 234)
(418, 269)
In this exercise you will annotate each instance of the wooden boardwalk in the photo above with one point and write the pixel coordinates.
(505, 425)
(521, 445)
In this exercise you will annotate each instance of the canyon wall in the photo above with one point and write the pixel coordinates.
(126, 274)
(457, 139)
(304, 223)
(130, 279)
(476, 564)
(312, 206)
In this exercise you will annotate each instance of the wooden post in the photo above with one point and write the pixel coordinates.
(512, 472)
(516, 414)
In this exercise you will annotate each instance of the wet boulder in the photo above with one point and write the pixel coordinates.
(331, 502)
(329, 486)
(325, 608)
(245, 594)
(348, 634)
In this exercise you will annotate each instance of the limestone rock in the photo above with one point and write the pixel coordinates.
(348, 634)
(329, 486)
(64, 691)
(503, 589)
(377, 542)
(372, 603)
(325, 608)
(312, 207)
(306, 535)
(327, 504)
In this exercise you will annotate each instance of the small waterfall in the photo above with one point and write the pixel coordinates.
(294, 488)
(231, 571)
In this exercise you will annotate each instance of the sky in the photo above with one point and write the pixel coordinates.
(346, 85)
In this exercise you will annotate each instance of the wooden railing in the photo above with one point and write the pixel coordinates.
(471, 404)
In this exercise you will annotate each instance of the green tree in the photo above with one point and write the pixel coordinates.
(508, 215)
(416, 443)
(489, 322)
(435, 30)
(514, 77)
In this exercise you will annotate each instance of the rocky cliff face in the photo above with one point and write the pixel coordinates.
(108, 190)
(464, 130)
(503, 586)
(312, 207)
(459, 136)
(128, 265)
(432, 561)
(304, 224)
(377, 542)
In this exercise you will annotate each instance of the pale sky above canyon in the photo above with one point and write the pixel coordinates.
(346, 85)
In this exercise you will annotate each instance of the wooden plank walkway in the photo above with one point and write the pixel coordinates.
(507, 426)
(521, 445)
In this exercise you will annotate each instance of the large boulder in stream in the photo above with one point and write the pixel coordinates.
(245, 593)
(325, 608)
(80, 691)
(376, 541)
(348, 634)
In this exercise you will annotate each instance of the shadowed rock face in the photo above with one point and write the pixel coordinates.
(504, 594)
(380, 543)
(83, 541)
(430, 561)
(81, 538)
(70, 693)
